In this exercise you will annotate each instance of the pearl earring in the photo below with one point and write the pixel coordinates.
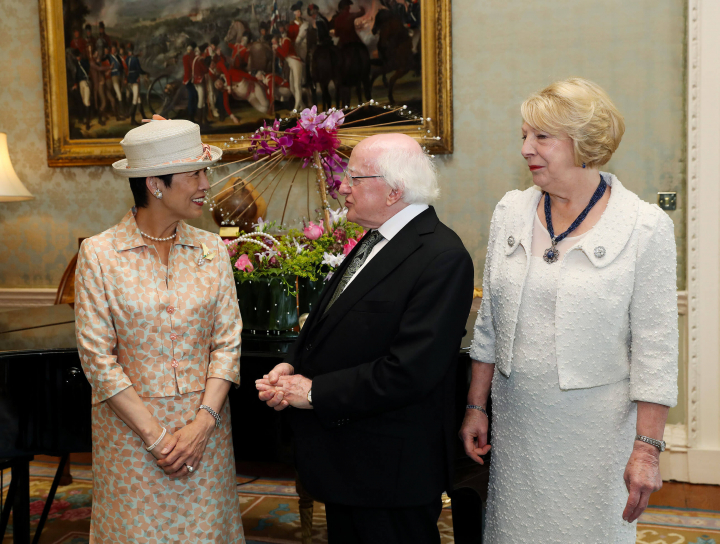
(158, 194)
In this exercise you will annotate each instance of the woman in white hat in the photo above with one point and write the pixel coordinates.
(158, 330)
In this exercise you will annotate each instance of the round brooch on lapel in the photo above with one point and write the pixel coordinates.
(599, 252)
(511, 241)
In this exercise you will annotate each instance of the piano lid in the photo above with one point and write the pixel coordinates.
(29, 318)
(37, 330)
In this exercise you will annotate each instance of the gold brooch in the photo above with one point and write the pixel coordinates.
(207, 255)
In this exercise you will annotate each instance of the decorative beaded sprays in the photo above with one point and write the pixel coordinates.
(319, 141)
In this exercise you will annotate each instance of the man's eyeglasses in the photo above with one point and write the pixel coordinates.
(351, 179)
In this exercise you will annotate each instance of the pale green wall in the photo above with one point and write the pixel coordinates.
(502, 50)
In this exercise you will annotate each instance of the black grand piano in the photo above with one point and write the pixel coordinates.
(45, 410)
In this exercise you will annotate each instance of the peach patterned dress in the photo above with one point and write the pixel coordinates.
(164, 331)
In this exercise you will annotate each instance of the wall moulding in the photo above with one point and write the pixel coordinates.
(26, 298)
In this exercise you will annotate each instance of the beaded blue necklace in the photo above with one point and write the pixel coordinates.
(552, 254)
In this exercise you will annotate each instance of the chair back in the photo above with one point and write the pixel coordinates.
(66, 290)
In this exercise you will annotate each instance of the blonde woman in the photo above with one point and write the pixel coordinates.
(576, 335)
(158, 329)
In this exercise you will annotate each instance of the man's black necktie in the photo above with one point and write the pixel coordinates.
(361, 256)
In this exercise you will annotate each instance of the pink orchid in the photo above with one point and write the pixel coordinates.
(310, 120)
(334, 120)
(313, 231)
(347, 248)
(243, 263)
(262, 139)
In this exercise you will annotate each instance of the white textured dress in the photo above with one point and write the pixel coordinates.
(558, 456)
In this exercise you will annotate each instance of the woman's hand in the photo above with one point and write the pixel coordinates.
(189, 446)
(165, 445)
(642, 477)
(474, 434)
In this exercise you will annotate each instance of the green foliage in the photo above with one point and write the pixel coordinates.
(294, 254)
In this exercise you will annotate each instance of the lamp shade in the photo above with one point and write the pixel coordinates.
(11, 188)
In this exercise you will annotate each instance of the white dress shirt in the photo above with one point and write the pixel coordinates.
(390, 228)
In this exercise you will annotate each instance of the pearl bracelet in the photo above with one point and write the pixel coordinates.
(162, 435)
(476, 407)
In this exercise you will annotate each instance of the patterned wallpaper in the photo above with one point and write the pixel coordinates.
(503, 50)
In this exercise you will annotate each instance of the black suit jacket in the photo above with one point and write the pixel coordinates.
(382, 361)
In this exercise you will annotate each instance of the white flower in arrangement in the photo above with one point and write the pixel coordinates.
(260, 225)
(264, 226)
(338, 215)
(268, 254)
(299, 248)
(332, 260)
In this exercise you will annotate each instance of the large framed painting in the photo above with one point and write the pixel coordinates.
(232, 65)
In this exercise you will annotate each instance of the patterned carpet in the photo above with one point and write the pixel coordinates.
(270, 513)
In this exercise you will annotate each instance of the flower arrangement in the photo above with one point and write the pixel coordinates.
(313, 253)
(303, 140)
(314, 139)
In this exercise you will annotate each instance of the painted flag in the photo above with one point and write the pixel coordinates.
(275, 15)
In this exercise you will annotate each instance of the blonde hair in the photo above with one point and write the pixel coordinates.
(582, 110)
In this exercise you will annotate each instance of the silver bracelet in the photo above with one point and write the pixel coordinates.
(213, 413)
(162, 435)
(659, 444)
(476, 407)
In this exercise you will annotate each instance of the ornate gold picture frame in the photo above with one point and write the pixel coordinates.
(90, 94)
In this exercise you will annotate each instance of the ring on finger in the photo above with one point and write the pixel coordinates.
(190, 469)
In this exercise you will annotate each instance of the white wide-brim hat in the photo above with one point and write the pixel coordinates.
(164, 146)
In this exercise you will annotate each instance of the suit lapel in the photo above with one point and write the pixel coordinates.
(317, 314)
(404, 244)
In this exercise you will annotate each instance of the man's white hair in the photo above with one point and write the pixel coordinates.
(411, 170)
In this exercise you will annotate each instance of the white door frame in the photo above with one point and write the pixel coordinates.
(700, 462)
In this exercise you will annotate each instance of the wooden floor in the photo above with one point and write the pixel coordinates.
(682, 495)
(673, 494)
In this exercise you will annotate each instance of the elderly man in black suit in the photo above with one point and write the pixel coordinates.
(371, 376)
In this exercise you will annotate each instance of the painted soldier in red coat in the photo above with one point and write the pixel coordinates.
(344, 23)
(188, 59)
(284, 49)
(240, 52)
(199, 71)
(297, 31)
(78, 42)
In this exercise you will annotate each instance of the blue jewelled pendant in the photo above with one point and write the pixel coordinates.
(551, 255)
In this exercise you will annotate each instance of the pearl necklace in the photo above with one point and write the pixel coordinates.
(159, 239)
